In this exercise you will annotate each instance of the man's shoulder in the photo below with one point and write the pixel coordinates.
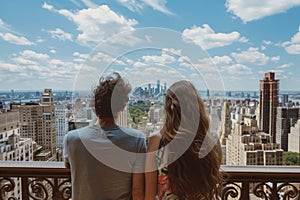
(73, 134)
(133, 132)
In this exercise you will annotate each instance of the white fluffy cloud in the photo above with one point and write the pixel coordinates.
(164, 58)
(275, 58)
(285, 66)
(14, 39)
(249, 10)
(24, 61)
(159, 5)
(89, 3)
(206, 37)
(293, 49)
(29, 54)
(252, 55)
(137, 6)
(167, 56)
(293, 46)
(132, 5)
(10, 67)
(60, 34)
(53, 51)
(1, 23)
(96, 24)
(47, 6)
(222, 60)
(172, 51)
(8, 35)
(213, 64)
(237, 69)
(32, 66)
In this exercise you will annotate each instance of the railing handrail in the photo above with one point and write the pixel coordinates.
(33, 168)
(262, 173)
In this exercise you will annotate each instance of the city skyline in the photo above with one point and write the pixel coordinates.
(49, 44)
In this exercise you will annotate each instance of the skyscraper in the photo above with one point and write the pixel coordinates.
(47, 97)
(158, 87)
(61, 124)
(225, 123)
(269, 89)
(284, 100)
(225, 128)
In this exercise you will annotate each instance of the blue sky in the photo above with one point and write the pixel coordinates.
(56, 44)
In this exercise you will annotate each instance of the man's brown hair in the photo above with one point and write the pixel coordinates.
(110, 96)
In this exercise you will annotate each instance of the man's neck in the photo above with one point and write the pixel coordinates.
(107, 122)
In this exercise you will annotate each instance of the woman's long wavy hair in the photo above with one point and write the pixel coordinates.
(191, 176)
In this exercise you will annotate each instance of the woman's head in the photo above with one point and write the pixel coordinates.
(190, 176)
(184, 110)
(110, 96)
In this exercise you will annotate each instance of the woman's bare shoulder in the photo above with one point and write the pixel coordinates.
(153, 141)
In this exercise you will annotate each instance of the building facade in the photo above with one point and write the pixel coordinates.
(12, 147)
(248, 146)
(61, 124)
(294, 138)
(269, 89)
(37, 121)
(286, 118)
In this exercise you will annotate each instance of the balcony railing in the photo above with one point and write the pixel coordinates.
(51, 180)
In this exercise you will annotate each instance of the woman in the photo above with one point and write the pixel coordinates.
(187, 158)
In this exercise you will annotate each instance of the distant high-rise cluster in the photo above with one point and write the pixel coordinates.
(151, 90)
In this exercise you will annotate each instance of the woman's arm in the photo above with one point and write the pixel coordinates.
(151, 168)
(138, 186)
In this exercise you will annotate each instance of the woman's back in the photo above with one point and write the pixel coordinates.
(191, 159)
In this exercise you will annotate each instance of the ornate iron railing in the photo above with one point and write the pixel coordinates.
(34, 180)
(51, 180)
(261, 182)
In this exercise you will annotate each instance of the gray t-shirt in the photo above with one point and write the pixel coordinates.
(102, 161)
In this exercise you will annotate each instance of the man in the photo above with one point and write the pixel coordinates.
(106, 160)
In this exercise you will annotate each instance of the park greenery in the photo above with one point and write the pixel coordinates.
(138, 111)
(291, 158)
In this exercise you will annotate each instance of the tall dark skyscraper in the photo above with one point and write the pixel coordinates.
(269, 89)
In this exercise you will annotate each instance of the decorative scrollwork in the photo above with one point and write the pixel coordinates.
(40, 189)
(65, 189)
(231, 189)
(262, 190)
(289, 191)
(7, 185)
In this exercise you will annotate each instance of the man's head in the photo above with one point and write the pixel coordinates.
(110, 96)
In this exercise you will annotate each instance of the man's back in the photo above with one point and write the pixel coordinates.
(102, 161)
